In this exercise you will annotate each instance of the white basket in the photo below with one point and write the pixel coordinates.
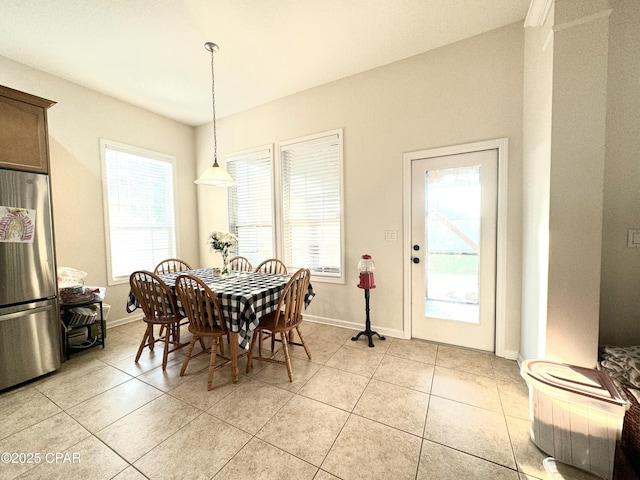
(576, 414)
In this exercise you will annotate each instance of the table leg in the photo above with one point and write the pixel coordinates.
(233, 346)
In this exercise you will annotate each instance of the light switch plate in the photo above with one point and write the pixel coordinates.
(633, 239)
(390, 235)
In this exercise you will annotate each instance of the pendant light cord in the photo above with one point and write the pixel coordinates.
(213, 105)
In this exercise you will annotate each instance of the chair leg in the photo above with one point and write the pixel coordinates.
(251, 345)
(165, 355)
(144, 341)
(151, 339)
(170, 332)
(212, 362)
(262, 340)
(221, 343)
(176, 334)
(285, 348)
(188, 357)
(306, 349)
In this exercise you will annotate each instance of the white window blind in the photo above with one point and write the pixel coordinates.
(139, 203)
(312, 204)
(251, 203)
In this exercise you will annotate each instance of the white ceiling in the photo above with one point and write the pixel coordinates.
(151, 52)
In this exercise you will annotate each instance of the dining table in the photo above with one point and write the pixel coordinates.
(244, 298)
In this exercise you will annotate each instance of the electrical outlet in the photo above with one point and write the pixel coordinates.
(633, 238)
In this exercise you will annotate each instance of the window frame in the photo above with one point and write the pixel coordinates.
(339, 132)
(148, 154)
(236, 156)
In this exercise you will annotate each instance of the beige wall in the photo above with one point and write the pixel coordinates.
(76, 124)
(620, 292)
(465, 92)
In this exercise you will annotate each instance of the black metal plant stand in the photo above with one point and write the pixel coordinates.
(367, 326)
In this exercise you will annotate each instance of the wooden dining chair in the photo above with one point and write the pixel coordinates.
(273, 265)
(171, 265)
(240, 264)
(159, 306)
(286, 318)
(206, 320)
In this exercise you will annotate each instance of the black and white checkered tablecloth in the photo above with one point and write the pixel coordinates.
(244, 297)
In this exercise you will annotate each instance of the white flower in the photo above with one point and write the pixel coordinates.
(221, 241)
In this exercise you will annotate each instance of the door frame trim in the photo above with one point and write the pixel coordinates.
(502, 145)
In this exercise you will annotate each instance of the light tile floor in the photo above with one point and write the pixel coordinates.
(405, 409)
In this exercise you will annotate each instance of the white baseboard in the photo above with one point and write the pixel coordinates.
(124, 321)
(512, 355)
(387, 332)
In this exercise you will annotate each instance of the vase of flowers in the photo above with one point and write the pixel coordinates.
(222, 242)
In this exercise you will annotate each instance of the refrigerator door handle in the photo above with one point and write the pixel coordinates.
(20, 313)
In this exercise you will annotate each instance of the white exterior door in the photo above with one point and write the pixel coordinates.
(453, 240)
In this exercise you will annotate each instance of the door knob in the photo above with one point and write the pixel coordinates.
(416, 247)
(415, 260)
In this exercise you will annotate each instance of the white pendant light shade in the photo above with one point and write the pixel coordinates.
(216, 176)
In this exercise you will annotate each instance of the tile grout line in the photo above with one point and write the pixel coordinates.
(170, 392)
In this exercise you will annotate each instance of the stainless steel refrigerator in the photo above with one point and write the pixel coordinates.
(29, 317)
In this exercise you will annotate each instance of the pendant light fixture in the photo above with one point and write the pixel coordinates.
(214, 175)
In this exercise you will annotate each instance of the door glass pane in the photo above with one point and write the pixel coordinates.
(452, 237)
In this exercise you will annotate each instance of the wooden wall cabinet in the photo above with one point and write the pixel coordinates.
(24, 143)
